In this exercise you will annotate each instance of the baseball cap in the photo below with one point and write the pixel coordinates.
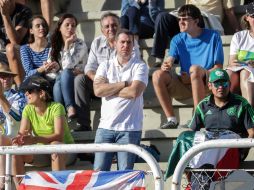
(35, 82)
(250, 9)
(218, 74)
(5, 70)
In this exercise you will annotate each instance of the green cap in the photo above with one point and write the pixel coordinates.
(218, 74)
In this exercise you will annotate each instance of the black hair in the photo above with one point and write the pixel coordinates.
(192, 11)
(57, 39)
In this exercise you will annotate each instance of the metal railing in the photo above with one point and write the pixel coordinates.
(80, 148)
(220, 143)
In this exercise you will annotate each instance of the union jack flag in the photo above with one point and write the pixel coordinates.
(84, 180)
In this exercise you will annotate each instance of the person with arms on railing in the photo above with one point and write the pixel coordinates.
(198, 51)
(223, 115)
(120, 82)
(11, 105)
(43, 122)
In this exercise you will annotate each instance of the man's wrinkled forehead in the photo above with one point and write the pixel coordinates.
(110, 19)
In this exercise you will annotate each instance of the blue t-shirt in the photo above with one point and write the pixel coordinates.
(32, 60)
(205, 50)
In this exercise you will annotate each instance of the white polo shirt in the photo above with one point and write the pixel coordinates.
(122, 114)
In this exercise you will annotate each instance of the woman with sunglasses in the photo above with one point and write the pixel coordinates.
(34, 55)
(43, 122)
(71, 54)
(241, 60)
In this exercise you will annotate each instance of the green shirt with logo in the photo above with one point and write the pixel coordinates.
(237, 115)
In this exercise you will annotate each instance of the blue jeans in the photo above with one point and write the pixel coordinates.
(125, 160)
(63, 90)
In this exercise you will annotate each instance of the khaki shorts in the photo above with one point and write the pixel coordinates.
(180, 91)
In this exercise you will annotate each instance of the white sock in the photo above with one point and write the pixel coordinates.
(172, 119)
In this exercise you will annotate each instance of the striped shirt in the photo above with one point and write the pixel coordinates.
(32, 60)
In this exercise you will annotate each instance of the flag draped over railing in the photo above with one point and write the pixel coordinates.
(84, 179)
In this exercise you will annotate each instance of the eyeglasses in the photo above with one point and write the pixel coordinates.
(184, 19)
(223, 84)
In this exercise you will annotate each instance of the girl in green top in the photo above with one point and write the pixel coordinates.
(44, 119)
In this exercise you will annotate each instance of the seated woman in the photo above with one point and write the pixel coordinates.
(11, 106)
(46, 120)
(34, 55)
(241, 61)
(139, 16)
(71, 54)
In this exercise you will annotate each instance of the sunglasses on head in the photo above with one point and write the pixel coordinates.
(223, 84)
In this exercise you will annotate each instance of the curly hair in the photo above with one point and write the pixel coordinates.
(57, 39)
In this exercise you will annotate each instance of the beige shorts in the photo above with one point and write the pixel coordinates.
(180, 91)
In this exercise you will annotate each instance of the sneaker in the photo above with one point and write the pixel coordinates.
(169, 125)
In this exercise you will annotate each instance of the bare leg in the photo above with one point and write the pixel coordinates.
(18, 167)
(197, 75)
(13, 56)
(47, 9)
(247, 87)
(235, 81)
(161, 80)
(57, 160)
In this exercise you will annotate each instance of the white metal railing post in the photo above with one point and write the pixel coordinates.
(220, 143)
(8, 176)
(90, 148)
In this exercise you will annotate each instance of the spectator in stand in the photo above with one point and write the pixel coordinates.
(138, 16)
(241, 60)
(11, 106)
(120, 82)
(35, 54)
(71, 54)
(223, 115)
(198, 51)
(44, 122)
(166, 25)
(13, 32)
(102, 50)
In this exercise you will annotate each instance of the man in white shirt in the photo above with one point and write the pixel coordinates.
(102, 50)
(120, 82)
